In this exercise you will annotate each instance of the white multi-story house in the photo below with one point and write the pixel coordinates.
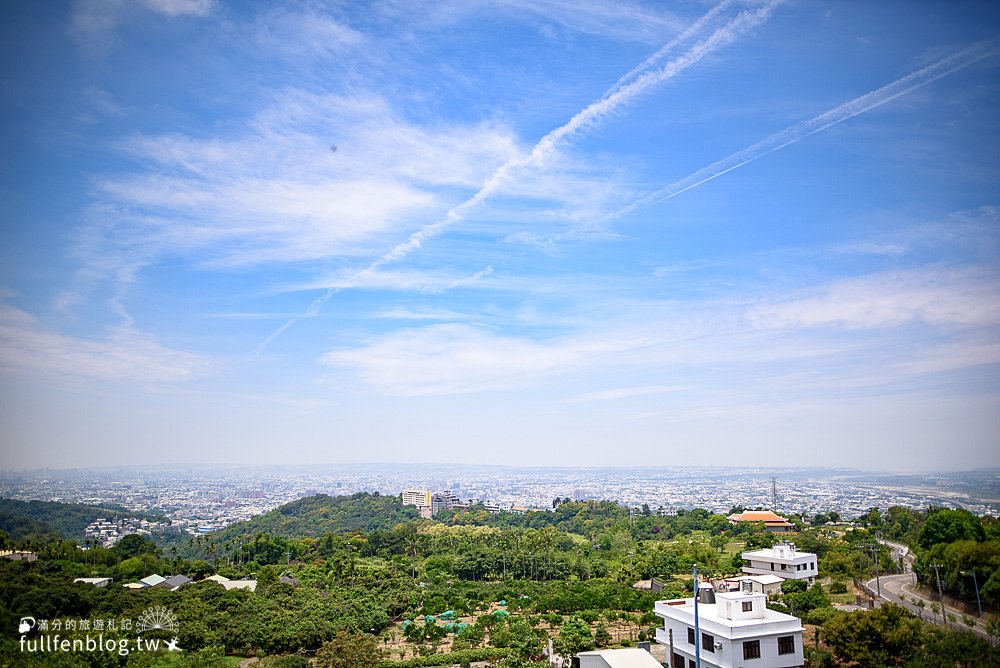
(737, 631)
(782, 560)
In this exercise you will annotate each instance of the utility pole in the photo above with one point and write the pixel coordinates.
(937, 572)
(670, 660)
(875, 548)
(975, 583)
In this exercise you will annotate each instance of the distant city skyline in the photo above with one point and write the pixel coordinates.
(202, 496)
(744, 233)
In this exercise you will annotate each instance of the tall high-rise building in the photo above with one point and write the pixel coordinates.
(421, 498)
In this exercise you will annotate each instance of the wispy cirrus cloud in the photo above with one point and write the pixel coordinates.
(787, 343)
(548, 148)
(630, 392)
(93, 23)
(932, 295)
(428, 281)
(626, 21)
(124, 355)
(454, 359)
(309, 177)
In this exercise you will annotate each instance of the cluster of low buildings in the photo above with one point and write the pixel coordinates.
(108, 532)
(172, 582)
(431, 503)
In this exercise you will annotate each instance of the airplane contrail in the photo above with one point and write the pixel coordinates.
(827, 119)
(688, 33)
(624, 91)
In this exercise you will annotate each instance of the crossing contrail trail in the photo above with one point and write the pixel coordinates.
(803, 129)
(628, 87)
(691, 31)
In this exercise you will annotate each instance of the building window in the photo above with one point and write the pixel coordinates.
(786, 645)
(678, 661)
(690, 636)
(708, 642)
(747, 606)
(692, 664)
(751, 649)
(772, 567)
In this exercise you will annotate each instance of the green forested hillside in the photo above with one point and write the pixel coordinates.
(20, 519)
(365, 575)
(315, 516)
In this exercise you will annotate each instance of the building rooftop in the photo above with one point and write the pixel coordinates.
(765, 516)
(727, 612)
(779, 552)
(618, 658)
(233, 584)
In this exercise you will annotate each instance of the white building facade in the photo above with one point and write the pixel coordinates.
(421, 498)
(782, 560)
(737, 631)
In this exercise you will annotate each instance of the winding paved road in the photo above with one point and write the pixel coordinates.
(898, 589)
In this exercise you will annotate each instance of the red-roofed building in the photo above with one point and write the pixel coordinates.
(774, 523)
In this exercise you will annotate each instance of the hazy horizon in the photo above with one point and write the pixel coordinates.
(752, 233)
(440, 466)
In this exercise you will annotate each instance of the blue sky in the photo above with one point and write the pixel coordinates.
(511, 231)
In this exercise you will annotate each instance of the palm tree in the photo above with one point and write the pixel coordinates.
(412, 545)
(547, 540)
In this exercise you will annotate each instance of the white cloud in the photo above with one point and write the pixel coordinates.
(431, 281)
(181, 7)
(621, 20)
(953, 355)
(889, 249)
(411, 314)
(282, 32)
(126, 355)
(867, 335)
(454, 359)
(310, 177)
(625, 21)
(683, 267)
(102, 102)
(936, 296)
(629, 392)
(94, 23)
